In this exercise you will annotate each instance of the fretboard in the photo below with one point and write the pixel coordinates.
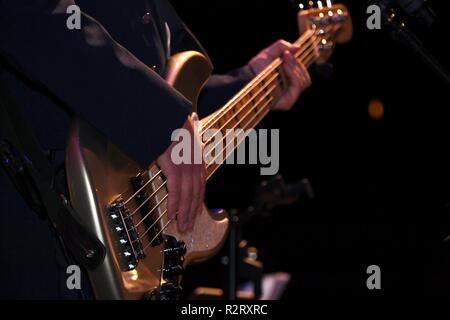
(246, 110)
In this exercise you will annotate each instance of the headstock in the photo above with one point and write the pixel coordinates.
(332, 22)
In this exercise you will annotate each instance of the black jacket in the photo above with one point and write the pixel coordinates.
(110, 73)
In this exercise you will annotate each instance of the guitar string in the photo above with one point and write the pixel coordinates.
(159, 204)
(160, 232)
(270, 67)
(306, 37)
(264, 112)
(171, 220)
(153, 210)
(165, 211)
(309, 59)
(244, 137)
(151, 227)
(217, 166)
(224, 139)
(236, 115)
(255, 82)
(302, 40)
(146, 201)
(215, 159)
(141, 188)
(244, 106)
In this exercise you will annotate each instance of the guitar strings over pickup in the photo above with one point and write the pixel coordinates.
(128, 217)
(148, 208)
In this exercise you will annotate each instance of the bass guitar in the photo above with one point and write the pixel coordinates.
(125, 205)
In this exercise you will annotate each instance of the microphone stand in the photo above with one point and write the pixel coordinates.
(272, 193)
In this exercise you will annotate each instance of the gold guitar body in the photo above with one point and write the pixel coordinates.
(99, 176)
(117, 199)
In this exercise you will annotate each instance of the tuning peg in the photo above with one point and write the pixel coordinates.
(326, 45)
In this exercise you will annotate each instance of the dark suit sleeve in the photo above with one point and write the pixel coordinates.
(220, 88)
(93, 75)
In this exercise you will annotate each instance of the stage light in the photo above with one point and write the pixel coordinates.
(376, 109)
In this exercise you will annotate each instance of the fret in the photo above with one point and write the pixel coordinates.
(245, 114)
(246, 110)
(246, 104)
(252, 122)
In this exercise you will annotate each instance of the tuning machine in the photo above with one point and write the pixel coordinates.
(326, 45)
(305, 5)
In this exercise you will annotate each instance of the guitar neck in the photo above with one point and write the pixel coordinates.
(246, 110)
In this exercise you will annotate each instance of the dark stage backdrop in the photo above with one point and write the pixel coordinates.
(381, 186)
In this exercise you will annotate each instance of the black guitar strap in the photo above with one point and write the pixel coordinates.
(32, 174)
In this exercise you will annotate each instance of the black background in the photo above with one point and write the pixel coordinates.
(381, 186)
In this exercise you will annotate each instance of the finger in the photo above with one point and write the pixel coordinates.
(299, 73)
(294, 84)
(202, 190)
(304, 71)
(292, 71)
(185, 197)
(299, 76)
(305, 80)
(173, 189)
(198, 190)
(277, 49)
(289, 57)
(196, 196)
(170, 172)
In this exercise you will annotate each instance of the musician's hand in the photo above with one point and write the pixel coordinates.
(297, 76)
(185, 183)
